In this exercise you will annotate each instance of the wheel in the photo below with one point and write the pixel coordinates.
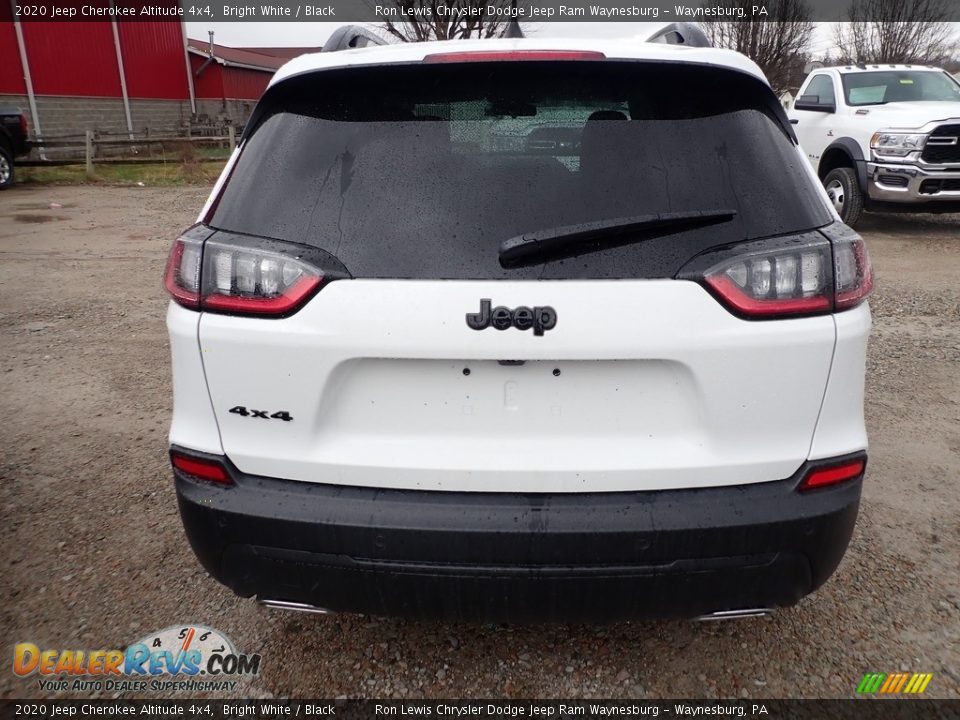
(6, 168)
(845, 194)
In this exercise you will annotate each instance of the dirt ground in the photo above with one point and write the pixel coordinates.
(93, 554)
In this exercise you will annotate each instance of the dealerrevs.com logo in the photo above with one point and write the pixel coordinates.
(181, 657)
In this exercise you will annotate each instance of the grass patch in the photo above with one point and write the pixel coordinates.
(187, 172)
(212, 152)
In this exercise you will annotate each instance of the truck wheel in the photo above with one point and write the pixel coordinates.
(6, 169)
(845, 194)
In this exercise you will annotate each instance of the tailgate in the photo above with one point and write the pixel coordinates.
(644, 384)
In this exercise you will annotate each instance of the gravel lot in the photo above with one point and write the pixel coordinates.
(94, 556)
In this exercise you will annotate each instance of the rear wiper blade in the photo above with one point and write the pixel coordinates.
(572, 240)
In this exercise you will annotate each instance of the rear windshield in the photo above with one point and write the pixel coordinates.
(420, 171)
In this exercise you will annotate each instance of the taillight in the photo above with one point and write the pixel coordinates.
(255, 281)
(202, 468)
(246, 276)
(782, 283)
(513, 55)
(182, 278)
(24, 128)
(787, 277)
(833, 473)
(853, 273)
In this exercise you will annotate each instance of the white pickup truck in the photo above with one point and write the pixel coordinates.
(882, 137)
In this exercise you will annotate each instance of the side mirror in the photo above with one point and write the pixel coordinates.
(813, 104)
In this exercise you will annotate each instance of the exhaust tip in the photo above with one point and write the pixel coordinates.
(735, 614)
(293, 606)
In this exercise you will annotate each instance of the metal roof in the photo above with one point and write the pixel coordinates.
(249, 58)
(287, 53)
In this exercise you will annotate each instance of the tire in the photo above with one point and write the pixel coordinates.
(6, 168)
(845, 194)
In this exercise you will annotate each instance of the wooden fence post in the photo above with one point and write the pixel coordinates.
(231, 131)
(89, 151)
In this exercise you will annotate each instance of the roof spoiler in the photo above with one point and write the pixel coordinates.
(681, 33)
(349, 37)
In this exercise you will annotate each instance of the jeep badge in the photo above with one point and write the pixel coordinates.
(539, 318)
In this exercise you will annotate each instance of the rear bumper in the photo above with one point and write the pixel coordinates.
(519, 557)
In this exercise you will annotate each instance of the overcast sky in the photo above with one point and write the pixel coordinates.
(285, 34)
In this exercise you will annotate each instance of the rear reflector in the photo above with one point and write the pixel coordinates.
(513, 55)
(201, 468)
(832, 474)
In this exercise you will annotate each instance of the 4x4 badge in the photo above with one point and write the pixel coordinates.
(540, 318)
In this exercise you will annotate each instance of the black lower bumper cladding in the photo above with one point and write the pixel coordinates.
(597, 557)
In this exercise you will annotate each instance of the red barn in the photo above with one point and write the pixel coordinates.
(232, 75)
(128, 77)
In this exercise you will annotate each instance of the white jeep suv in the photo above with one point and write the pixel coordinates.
(425, 365)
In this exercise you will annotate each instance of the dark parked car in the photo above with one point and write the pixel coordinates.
(13, 142)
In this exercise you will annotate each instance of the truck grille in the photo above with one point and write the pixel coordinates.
(937, 153)
(932, 187)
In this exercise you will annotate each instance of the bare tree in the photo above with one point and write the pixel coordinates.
(778, 42)
(896, 31)
(419, 20)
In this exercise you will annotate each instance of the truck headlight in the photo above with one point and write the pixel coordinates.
(896, 144)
